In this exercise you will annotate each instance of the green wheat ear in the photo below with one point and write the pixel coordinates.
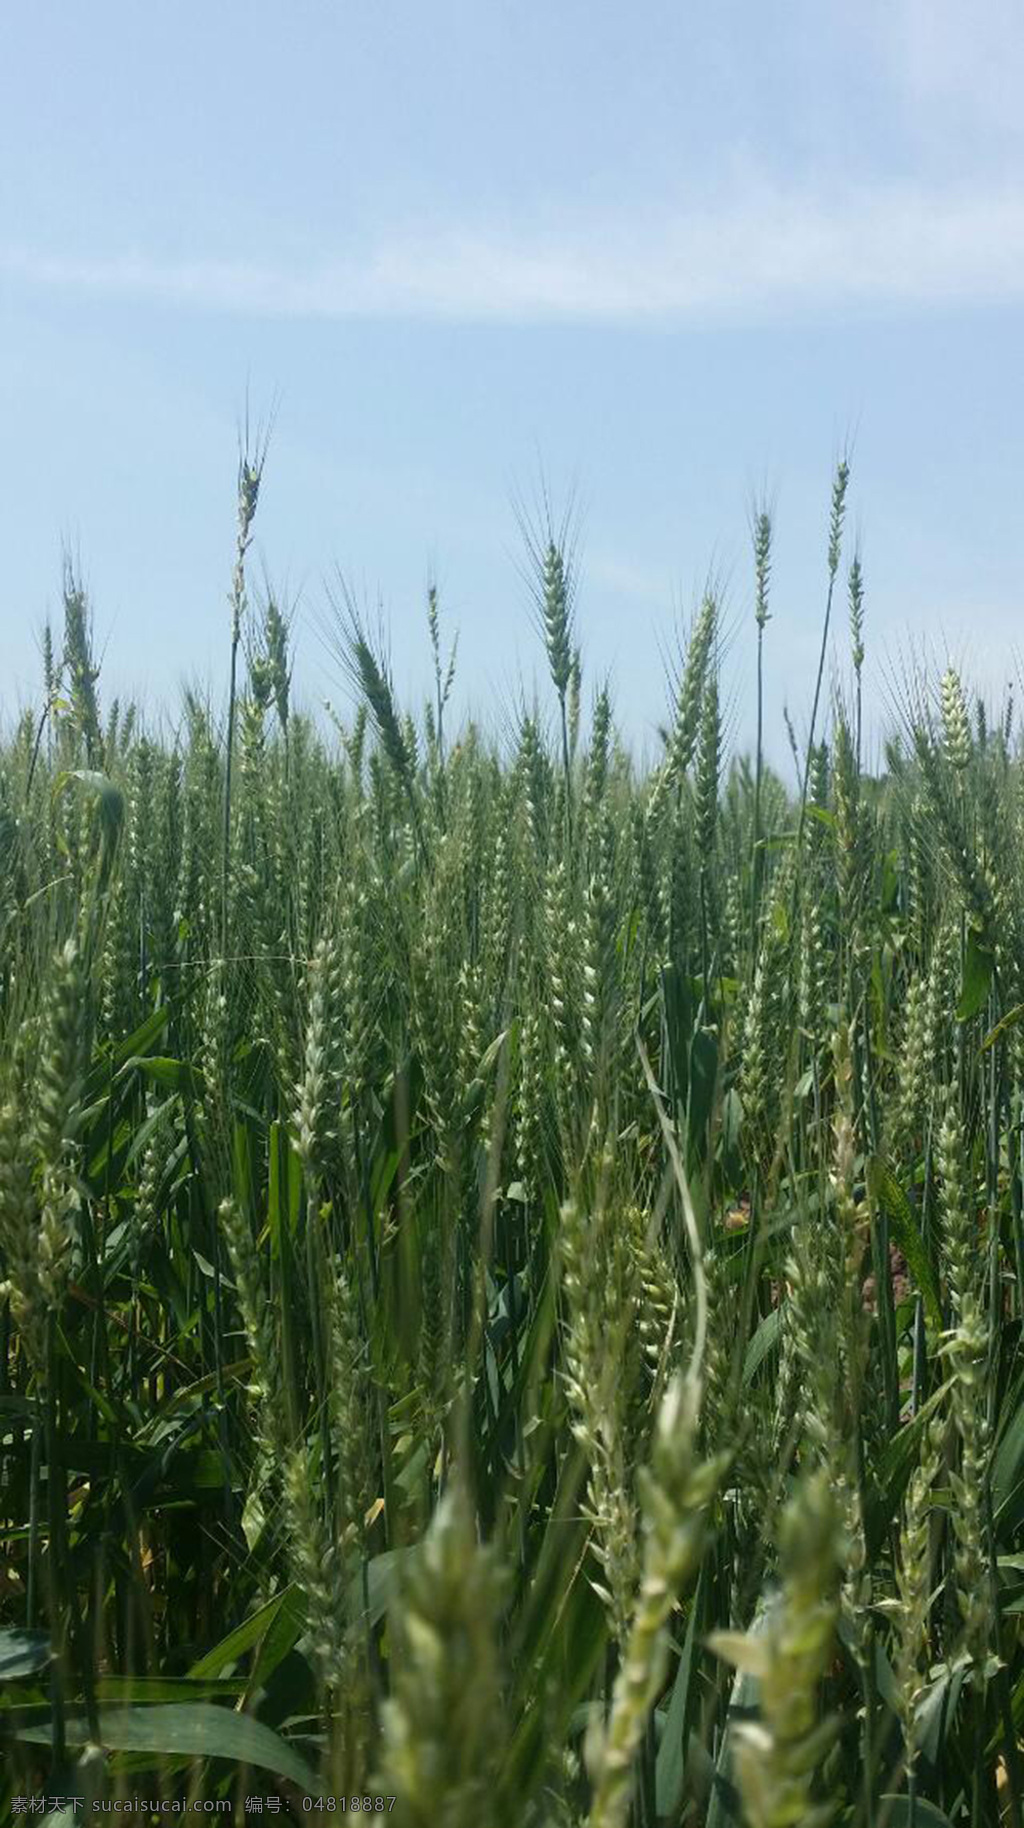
(79, 668)
(955, 722)
(278, 660)
(856, 596)
(366, 664)
(676, 1490)
(777, 1757)
(690, 697)
(762, 566)
(557, 598)
(442, 1725)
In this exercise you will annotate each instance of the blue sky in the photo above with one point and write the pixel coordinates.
(669, 254)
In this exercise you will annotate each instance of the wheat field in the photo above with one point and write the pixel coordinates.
(513, 1266)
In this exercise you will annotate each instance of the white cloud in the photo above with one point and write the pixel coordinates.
(643, 583)
(760, 253)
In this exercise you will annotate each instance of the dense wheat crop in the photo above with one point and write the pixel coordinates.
(514, 1268)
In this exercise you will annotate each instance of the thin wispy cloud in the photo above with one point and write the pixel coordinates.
(755, 255)
(958, 68)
